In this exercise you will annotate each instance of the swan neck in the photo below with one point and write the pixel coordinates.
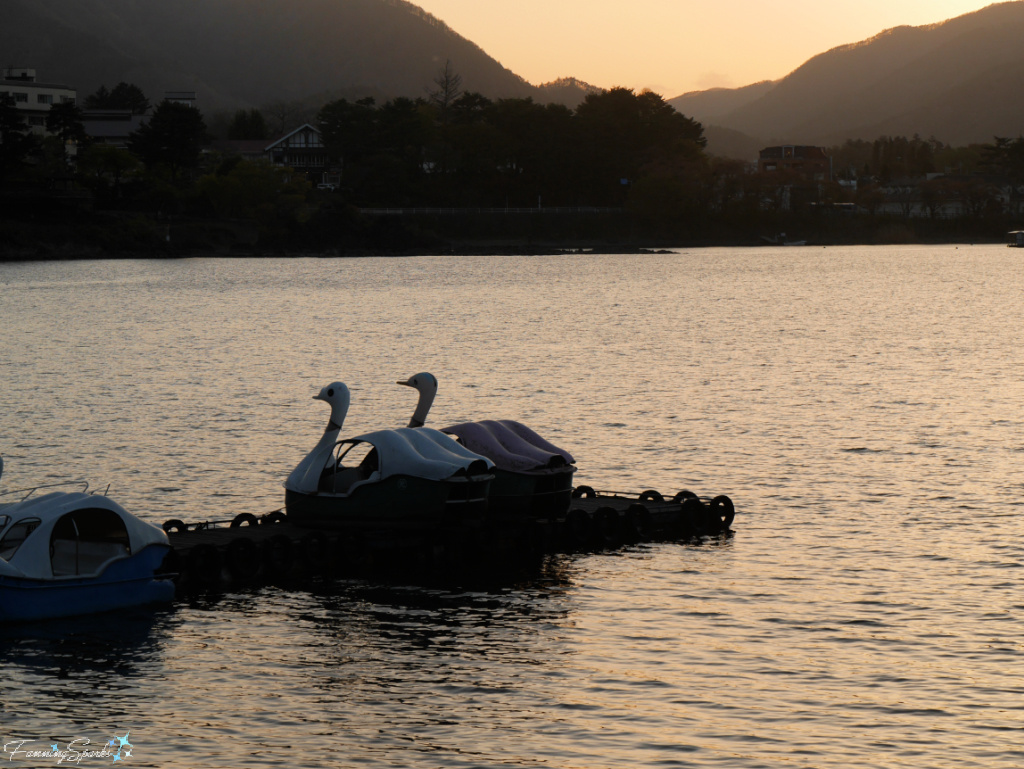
(419, 417)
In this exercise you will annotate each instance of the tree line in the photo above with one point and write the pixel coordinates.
(449, 148)
(453, 148)
(463, 149)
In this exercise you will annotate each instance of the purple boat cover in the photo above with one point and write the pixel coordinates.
(510, 445)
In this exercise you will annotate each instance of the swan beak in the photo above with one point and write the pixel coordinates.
(407, 383)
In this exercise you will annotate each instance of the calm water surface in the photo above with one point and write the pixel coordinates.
(862, 406)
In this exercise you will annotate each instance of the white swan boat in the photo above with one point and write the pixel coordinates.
(410, 479)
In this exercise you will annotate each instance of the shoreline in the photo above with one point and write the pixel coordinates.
(76, 253)
(83, 235)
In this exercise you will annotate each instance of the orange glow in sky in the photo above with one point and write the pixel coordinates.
(674, 46)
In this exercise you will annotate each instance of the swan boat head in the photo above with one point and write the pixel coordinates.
(426, 384)
(306, 475)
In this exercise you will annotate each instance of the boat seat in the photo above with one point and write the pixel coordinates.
(346, 479)
(69, 558)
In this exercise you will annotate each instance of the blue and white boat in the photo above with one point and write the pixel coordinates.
(64, 554)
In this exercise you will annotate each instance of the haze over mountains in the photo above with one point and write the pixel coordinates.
(959, 81)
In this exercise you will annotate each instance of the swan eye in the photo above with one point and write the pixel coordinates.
(330, 393)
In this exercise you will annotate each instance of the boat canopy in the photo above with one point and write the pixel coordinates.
(510, 445)
(52, 535)
(422, 453)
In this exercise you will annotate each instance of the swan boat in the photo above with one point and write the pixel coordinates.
(65, 554)
(407, 479)
(531, 476)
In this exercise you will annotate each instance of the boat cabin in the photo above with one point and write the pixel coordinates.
(69, 535)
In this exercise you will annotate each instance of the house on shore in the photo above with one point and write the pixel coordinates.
(301, 149)
(811, 164)
(33, 98)
(112, 127)
(801, 171)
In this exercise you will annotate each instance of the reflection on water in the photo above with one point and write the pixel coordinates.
(860, 405)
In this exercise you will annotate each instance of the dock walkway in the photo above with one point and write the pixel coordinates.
(268, 548)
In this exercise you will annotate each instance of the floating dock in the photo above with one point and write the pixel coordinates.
(262, 549)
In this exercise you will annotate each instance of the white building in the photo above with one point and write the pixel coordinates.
(33, 98)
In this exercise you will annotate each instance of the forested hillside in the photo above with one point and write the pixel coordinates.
(245, 53)
(959, 81)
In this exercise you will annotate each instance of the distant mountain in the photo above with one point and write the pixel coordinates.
(727, 143)
(566, 90)
(959, 81)
(246, 53)
(715, 104)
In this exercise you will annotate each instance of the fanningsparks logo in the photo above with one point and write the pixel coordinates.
(74, 752)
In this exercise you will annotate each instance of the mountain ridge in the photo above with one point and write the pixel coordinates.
(246, 53)
(954, 80)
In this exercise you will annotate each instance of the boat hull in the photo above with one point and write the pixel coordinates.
(124, 584)
(533, 494)
(398, 502)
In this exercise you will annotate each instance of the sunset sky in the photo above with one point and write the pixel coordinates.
(675, 46)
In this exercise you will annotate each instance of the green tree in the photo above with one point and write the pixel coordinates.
(106, 164)
(172, 138)
(897, 157)
(64, 121)
(382, 149)
(274, 197)
(124, 96)
(15, 142)
(248, 124)
(447, 91)
(1006, 157)
(348, 129)
(621, 132)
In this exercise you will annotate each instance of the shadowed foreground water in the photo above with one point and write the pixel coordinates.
(860, 405)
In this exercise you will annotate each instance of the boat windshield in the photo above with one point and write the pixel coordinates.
(15, 535)
(85, 540)
(359, 454)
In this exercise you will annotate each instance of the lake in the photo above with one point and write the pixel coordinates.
(861, 406)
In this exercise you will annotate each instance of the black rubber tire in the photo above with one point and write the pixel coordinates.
(651, 496)
(247, 519)
(684, 494)
(640, 519)
(723, 509)
(243, 559)
(578, 528)
(277, 555)
(583, 492)
(315, 549)
(175, 525)
(692, 517)
(607, 526)
(204, 565)
(278, 516)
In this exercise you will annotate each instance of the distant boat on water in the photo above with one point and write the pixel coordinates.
(1015, 239)
(780, 240)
